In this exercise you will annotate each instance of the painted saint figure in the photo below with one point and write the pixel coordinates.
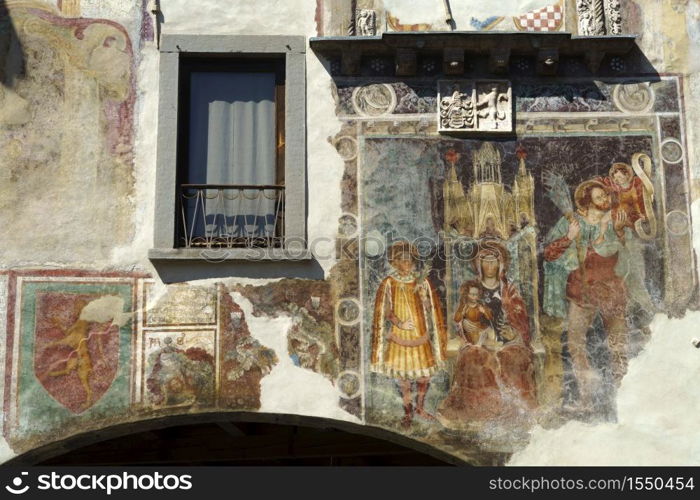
(494, 373)
(582, 261)
(409, 340)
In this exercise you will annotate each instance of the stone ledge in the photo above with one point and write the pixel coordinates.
(499, 47)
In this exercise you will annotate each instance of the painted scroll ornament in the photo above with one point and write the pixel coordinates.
(634, 97)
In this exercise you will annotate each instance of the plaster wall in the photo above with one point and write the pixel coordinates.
(82, 233)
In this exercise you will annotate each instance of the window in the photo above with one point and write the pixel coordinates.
(231, 146)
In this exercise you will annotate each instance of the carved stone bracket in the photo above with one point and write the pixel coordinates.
(350, 63)
(453, 61)
(499, 58)
(406, 62)
(593, 60)
(548, 61)
(457, 46)
(475, 106)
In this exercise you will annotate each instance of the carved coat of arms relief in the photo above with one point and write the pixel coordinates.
(475, 106)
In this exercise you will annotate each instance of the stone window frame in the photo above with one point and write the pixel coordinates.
(293, 49)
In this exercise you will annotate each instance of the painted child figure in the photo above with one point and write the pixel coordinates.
(475, 393)
(628, 204)
(628, 193)
(474, 320)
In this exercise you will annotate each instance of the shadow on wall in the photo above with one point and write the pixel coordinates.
(181, 271)
(13, 109)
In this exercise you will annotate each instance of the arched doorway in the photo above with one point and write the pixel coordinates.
(237, 439)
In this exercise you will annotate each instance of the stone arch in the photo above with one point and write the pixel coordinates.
(95, 436)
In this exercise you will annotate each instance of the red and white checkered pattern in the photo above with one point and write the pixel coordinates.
(545, 19)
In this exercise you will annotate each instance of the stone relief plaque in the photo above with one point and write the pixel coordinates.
(475, 106)
(365, 22)
(168, 309)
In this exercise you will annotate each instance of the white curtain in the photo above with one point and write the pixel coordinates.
(232, 141)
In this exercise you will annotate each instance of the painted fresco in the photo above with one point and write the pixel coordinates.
(515, 282)
(180, 368)
(374, 17)
(69, 351)
(481, 286)
(66, 114)
(87, 350)
(467, 249)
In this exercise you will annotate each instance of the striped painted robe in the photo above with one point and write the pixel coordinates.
(408, 354)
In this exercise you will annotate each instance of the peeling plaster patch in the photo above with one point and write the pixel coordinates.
(107, 308)
(657, 407)
(657, 410)
(289, 388)
(6, 452)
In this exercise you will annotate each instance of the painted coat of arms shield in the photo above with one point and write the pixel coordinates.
(76, 354)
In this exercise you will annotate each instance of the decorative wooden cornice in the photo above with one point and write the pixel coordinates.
(454, 46)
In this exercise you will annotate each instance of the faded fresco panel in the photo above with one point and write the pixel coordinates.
(66, 133)
(72, 345)
(513, 283)
(180, 368)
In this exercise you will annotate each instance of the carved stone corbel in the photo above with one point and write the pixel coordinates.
(499, 59)
(548, 61)
(406, 62)
(593, 59)
(350, 63)
(453, 61)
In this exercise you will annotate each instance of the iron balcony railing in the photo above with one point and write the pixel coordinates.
(231, 215)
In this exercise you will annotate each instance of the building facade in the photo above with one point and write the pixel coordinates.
(468, 226)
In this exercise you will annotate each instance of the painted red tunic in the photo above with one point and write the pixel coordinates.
(594, 284)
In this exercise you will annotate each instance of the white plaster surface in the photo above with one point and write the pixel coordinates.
(145, 139)
(6, 452)
(117, 10)
(3, 342)
(266, 17)
(289, 388)
(692, 19)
